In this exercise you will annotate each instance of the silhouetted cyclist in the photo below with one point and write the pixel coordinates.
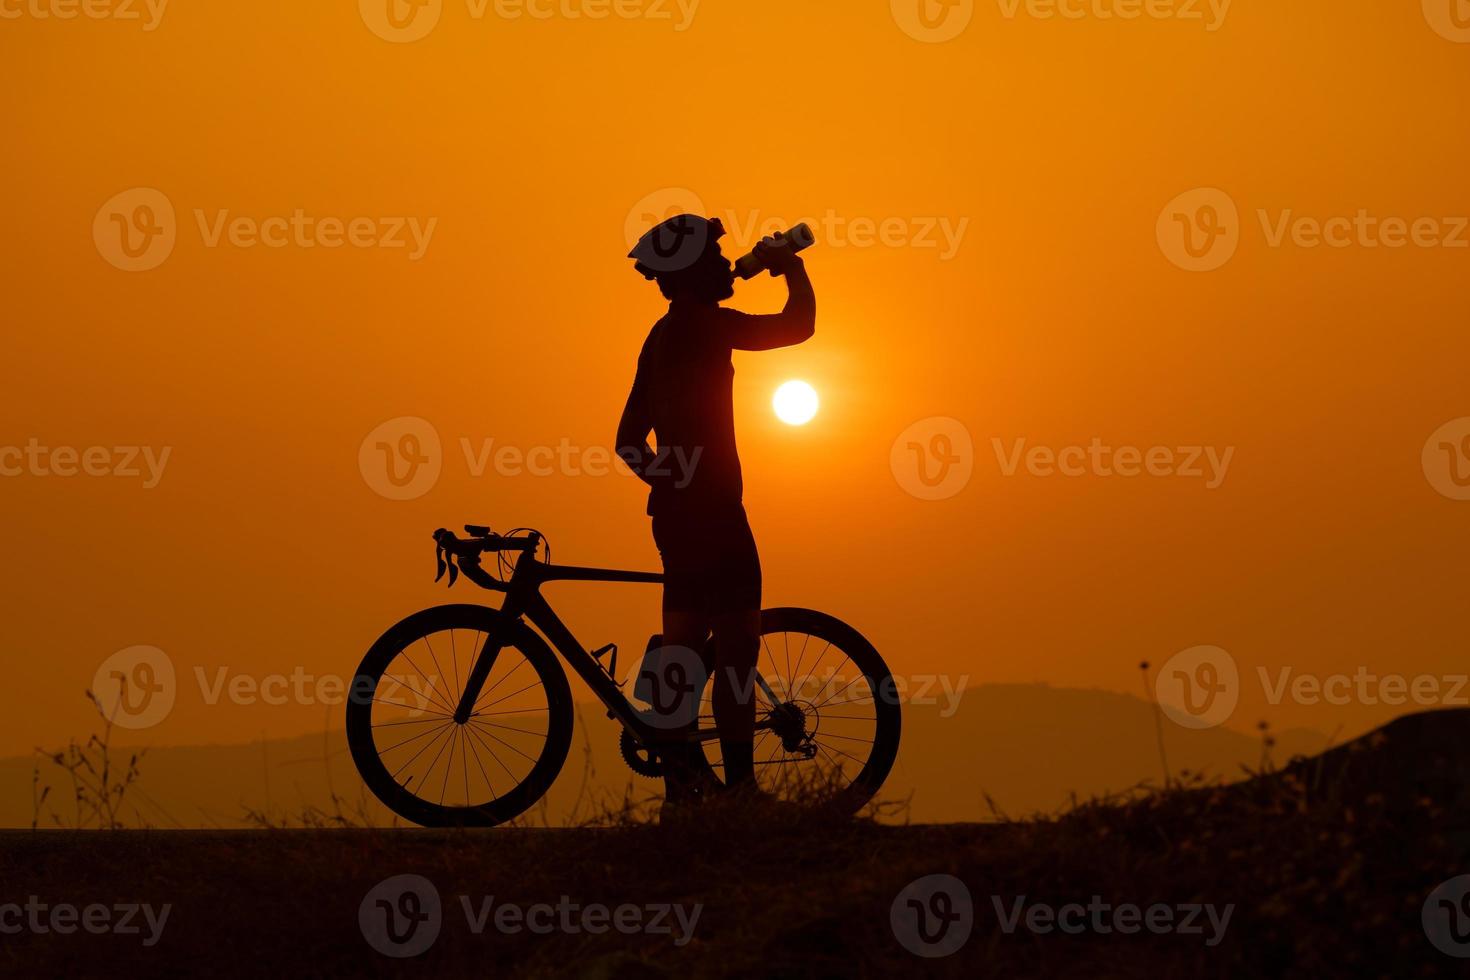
(682, 392)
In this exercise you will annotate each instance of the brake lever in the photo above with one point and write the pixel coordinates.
(444, 558)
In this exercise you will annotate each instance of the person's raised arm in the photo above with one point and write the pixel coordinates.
(796, 322)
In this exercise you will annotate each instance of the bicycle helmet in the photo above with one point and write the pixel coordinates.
(674, 244)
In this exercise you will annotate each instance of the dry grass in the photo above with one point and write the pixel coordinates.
(1326, 864)
(99, 784)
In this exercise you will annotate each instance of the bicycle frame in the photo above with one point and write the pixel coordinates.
(523, 599)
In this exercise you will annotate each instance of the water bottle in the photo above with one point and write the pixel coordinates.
(648, 669)
(798, 238)
(670, 680)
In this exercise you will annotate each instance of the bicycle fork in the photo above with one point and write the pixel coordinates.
(485, 662)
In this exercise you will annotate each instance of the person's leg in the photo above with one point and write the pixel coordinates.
(737, 628)
(685, 630)
(685, 625)
(737, 647)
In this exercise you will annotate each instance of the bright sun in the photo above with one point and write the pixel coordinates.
(795, 403)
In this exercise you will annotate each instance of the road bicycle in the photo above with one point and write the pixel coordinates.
(445, 738)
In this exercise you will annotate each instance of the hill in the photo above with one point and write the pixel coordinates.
(1028, 748)
(1331, 867)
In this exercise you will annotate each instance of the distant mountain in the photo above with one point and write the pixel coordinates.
(1029, 748)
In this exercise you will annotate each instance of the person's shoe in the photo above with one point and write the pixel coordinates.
(678, 810)
(686, 780)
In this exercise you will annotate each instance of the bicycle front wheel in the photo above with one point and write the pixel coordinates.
(432, 770)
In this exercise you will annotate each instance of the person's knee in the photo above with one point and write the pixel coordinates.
(736, 644)
(685, 628)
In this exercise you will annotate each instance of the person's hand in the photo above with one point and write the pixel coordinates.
(777, 256)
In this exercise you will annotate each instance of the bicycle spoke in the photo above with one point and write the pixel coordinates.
(840, 770)
(790, 677)
(849, 738)
(449, 766)
(512, 728)
(771, 657)
(483, 773)
(454, 656)
(845, 687)
(416, 755)
(512, 694)
(801, 657)
(435, 658)
(412, 738)
(865, 699)
(507, 677)
(411, 707)
(437, 755)
(427, 679)
(493, 754)
(820, 658)
(439, 719)
(512, 711)
(862, 763)
(464, 764)
(506, 744)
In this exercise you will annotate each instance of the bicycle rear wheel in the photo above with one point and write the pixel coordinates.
(827, 716)
(421, 763)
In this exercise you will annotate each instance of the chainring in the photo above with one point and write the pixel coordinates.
(638, 756)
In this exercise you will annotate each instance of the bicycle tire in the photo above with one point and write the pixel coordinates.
(887, 720)
(367, 754)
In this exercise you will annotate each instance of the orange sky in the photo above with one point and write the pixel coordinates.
(1047, 147)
